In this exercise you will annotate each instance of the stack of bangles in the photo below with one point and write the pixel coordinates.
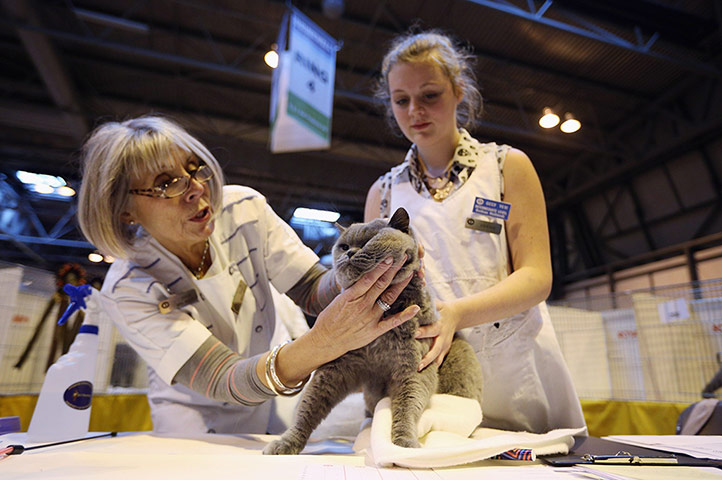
(272, 379)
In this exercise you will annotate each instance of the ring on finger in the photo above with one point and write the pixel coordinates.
(383, 305)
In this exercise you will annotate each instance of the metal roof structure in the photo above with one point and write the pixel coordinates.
(642, 178)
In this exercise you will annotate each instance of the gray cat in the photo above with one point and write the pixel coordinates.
(388, 365)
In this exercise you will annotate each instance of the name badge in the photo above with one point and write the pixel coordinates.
(178, 300)
(492, 208)
(238, 297)
(483, 226)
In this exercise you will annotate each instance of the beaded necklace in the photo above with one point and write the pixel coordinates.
(199, 272)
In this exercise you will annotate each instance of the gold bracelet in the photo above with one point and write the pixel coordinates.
(274, 382)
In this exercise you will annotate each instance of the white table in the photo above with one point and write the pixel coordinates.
(139, 456)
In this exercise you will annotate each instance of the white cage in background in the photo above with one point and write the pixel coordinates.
(625, 360)
(709, 312)
(583, 342)
(25, 294)
(663, 344)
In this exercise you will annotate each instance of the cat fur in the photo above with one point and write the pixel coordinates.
(388, 366)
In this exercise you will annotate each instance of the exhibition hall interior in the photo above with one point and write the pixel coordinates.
(616, 104)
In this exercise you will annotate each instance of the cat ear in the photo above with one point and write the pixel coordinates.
(339, 227)
(400, 220)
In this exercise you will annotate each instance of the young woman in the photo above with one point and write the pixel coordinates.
(479, 212)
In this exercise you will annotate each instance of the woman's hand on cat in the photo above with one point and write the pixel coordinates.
(442, 331)
(354, 319)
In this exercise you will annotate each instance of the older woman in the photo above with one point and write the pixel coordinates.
(193, 284)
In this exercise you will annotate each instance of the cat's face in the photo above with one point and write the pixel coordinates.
(362, 246)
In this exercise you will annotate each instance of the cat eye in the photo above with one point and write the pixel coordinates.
(343, 247)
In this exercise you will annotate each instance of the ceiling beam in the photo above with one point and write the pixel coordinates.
(60, 242)
(37, 118)
(49, 65)
(708, 241)
(639, 152)
(47, 121)
(597, 34)
(585, 82)
(369, 154)
(265, 79)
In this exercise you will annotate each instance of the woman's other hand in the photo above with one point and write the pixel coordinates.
(442, 332)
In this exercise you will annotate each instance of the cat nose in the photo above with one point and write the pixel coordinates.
(351, 252)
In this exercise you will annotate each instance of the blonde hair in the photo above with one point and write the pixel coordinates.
(115, 153)
(435, 48)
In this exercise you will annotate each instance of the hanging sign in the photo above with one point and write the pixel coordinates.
(302, 87)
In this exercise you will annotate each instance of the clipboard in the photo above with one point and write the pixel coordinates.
(597, 451)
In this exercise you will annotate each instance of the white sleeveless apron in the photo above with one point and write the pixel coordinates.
(527, 386)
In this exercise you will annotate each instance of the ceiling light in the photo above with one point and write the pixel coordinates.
(549, 119)
(65, 191)
(95, 257)
(30, 178)
(570, 124)
(43, 188)
(271, 57)
(49, 186)
(313, 214)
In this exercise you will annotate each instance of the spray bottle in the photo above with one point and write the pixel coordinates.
(63, 408)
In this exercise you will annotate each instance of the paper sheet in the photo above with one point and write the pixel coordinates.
(620, 472)
(698, 446)
(351, 472)
(530, 472)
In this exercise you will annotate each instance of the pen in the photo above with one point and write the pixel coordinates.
(18, 449)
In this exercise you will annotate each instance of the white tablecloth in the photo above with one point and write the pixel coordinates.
(140, 456)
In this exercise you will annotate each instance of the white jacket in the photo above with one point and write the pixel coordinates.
(252, 246)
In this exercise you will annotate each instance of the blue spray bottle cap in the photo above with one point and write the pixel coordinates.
(77, 300)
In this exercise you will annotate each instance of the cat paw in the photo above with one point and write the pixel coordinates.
(406, 442)
(280, 447)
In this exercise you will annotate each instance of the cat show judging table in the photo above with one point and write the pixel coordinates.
(140, 455)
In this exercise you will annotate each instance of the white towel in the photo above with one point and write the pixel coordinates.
(448, 436)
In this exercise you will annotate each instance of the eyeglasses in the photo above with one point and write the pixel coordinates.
(176, 186)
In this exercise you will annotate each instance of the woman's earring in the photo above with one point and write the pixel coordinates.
(132, 222)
